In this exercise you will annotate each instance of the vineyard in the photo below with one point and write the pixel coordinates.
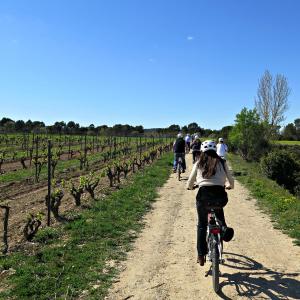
(50, 179)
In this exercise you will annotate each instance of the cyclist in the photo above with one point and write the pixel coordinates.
(188, 140)
(179, 151)
(196, 146)
(210, 173)
(222, 148)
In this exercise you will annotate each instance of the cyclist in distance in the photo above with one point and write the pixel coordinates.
(209, 173)
(222, 149)
(196, 146)
(179, 151)
(188, 140)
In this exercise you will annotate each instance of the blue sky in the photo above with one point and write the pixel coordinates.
(148, 62)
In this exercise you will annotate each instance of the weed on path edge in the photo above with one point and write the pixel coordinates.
(283, 207)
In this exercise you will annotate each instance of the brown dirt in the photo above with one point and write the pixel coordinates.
(260, 262)
(34, 202)
(13, 166)
(30, 198)
(27, 197)
(13, 189)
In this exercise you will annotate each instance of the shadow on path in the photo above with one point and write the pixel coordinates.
(253, 280)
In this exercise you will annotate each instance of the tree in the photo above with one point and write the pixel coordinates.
(59, 126)
(174, 128)
(193, 127)
(272, 100)
(289, 132)
(20, 125)
(9, 126)
(297, 124)
(71, 124)
(37, 125)
(224, 132)
(71, 127)
(207, 132)
(247, 135)
(184, 129)
(4, 121)
(28, 125)
(139, 129)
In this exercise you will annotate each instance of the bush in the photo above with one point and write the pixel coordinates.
(281, 166)
(46, 235)
(248, 136)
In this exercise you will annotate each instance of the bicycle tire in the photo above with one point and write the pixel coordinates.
(179, 171)
(215, 267)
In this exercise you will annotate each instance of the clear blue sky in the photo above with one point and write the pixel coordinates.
(148, 62)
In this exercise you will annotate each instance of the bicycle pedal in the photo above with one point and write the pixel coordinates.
(207, 272)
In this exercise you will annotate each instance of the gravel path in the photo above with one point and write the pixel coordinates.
(260, 262)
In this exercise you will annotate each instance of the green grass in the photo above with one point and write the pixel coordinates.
(75, 256)
(288, 142)
(283, 207)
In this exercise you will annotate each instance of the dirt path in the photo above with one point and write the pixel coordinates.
(260, 262)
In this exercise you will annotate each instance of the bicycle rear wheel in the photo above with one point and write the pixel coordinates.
(179, 170)
(215, 267)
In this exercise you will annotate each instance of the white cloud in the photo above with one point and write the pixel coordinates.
(190, 38)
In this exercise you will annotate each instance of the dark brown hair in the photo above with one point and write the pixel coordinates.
(208, 162)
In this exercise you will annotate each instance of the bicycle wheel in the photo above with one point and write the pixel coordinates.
(215, 267)
(179, 170)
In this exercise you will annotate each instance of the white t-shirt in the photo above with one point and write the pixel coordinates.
(222, 149)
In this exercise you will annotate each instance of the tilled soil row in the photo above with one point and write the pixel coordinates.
(32, 200)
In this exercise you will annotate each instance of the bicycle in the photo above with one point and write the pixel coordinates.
(187, 147)
(179, 167)
(215, 246)
(214, 239)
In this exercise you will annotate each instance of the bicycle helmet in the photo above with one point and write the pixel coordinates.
(179, 135)
(221, 140)
(196, 137)
(208, 145)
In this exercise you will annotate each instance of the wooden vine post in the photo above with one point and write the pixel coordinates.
(49, 184)
(5, 228)
(69, 148)
(140, 147)
(36, 158)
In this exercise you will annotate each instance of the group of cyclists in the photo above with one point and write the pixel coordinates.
(211, 174)
(185, 144)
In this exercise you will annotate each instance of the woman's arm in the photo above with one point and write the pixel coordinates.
(229, 176)
(192, 177)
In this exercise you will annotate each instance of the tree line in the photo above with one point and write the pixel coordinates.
(8, 125)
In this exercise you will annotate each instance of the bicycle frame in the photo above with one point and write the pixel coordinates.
(215, 247)
(214, 229)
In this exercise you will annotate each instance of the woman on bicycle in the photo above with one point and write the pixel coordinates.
(210, 173)
(196, 146)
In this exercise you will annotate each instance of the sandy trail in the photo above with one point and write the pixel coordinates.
(260, 262)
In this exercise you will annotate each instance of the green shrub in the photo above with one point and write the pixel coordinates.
(281, 166)
(248, 135)
(46, 235)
